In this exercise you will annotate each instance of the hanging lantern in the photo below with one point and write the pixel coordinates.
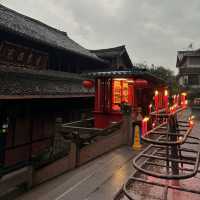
(88, 84)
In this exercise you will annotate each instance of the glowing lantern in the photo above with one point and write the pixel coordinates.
(88, 84)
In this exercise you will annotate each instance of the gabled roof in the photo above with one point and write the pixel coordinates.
(113, 52)
(32, 29)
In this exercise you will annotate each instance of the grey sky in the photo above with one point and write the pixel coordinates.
(152, 30)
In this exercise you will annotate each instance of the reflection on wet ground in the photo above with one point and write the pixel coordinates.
(147, 191)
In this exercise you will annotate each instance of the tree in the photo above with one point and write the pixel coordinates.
(167, 75)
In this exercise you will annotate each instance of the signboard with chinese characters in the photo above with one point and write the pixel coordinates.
(119, 93)
(116, 92)
(124, 91)
(22, 56)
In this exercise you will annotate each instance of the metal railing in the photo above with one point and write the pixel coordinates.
(82, 136)
(165, 158)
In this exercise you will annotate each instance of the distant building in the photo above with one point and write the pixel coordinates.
(188, 64)
(117, 57)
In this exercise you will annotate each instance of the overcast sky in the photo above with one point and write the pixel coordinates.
(152, 30)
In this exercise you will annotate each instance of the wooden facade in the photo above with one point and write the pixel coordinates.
(31, 125)
(135, 87)
(39, 80)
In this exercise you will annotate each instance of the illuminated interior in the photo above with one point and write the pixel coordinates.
(122, 91)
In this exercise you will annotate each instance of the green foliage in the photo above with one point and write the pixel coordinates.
(168, 75)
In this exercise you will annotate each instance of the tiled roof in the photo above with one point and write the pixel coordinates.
(112, 52)
(40, 84)
(134, 73)
(40, 32)
(109, 52)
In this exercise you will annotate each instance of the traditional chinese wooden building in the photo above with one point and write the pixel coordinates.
(135, 87)
(38, 84)
(117, 57)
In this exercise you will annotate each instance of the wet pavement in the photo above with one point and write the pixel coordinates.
(102, 179)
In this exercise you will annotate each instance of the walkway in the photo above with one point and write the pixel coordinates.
(100, 179)
(97, 180)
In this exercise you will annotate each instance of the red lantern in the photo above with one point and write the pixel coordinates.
(88, 84)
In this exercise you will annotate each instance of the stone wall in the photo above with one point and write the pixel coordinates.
(104, 144)
(56, 168)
